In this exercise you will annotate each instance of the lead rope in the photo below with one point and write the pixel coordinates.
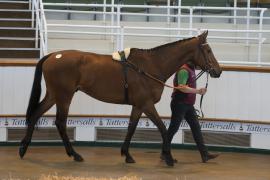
(201, 100)
(199, 75)
(149, 75)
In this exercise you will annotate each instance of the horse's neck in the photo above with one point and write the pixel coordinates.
(171, 58)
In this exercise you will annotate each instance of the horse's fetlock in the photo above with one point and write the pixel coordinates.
(123, 151)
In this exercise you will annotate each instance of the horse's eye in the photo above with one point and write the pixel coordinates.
(209, 50)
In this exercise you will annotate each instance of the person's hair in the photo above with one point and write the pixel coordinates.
(190, 64)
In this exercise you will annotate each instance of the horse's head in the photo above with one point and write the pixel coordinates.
(204, 57)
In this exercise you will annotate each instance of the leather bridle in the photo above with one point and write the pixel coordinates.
(207, 70)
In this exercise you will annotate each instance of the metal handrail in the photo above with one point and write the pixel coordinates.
(38, 16)
(44, 29)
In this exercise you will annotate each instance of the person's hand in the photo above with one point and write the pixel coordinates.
(202, 91)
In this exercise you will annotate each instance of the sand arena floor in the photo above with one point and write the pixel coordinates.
(107, 162)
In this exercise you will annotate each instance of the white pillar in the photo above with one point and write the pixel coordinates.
(3, 134)
(85, 134)
(260, 141)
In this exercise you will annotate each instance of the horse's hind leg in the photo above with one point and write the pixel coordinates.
(61, 119)
(43, 106)
(134, 119)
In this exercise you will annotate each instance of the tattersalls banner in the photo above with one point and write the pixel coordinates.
(10, 122)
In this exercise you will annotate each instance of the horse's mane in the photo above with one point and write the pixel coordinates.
(168, 44)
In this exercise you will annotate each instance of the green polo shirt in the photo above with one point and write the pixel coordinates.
(182, 77)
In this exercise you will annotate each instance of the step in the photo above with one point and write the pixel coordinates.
(20, 14)
(17, 33)
(15, 23)
(19, 53)
(7, 43)
(13, 5)
(18, 38)
(15, 1)
(21, 28)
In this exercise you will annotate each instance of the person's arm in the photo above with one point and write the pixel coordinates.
(187, 89)
(182, 77)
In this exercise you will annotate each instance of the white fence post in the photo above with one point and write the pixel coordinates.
(118, 15)
(234, 11)
(33, 15)
(179, 16)
(104, 10)
(37, 22)
(30, 4)
(190, 20)
(112, 19)
(122, 36)
(248, 20)
(260, 36)
(44, 29)
(168, 11)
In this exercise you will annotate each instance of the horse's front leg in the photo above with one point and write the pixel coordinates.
(60, 122)
(151, 112)
(133, 122)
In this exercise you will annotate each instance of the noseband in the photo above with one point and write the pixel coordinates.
(208, 67)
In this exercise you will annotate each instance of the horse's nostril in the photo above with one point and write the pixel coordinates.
(218, 74)
(215, 74)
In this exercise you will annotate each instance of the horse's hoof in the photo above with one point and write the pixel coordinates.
(162, 158)
(22, 151)
(169, 160)
(123, 152)
(78, 158)
(170, 163)
(130, 160)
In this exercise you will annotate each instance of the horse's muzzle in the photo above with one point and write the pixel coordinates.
(215, 73)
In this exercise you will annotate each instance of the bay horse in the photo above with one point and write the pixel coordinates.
(66, 72)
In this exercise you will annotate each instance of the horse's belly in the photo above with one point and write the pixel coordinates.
(105, 92)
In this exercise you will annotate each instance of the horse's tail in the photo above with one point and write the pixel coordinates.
(36, 90)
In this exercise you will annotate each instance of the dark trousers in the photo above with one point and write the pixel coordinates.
(179, 112)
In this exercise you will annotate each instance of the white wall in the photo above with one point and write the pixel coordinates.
(235, 95)
(239, 95)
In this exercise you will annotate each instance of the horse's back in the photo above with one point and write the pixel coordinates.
(73, 61)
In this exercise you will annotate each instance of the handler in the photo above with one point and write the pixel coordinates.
(182, 106)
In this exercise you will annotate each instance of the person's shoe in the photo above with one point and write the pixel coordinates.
(163, 158)
(208, 157)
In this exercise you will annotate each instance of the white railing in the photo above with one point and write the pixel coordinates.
(178, 8)
(120, 32)
(39, 21)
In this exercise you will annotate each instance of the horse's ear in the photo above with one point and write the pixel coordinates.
(203, 36)
(206, 33)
